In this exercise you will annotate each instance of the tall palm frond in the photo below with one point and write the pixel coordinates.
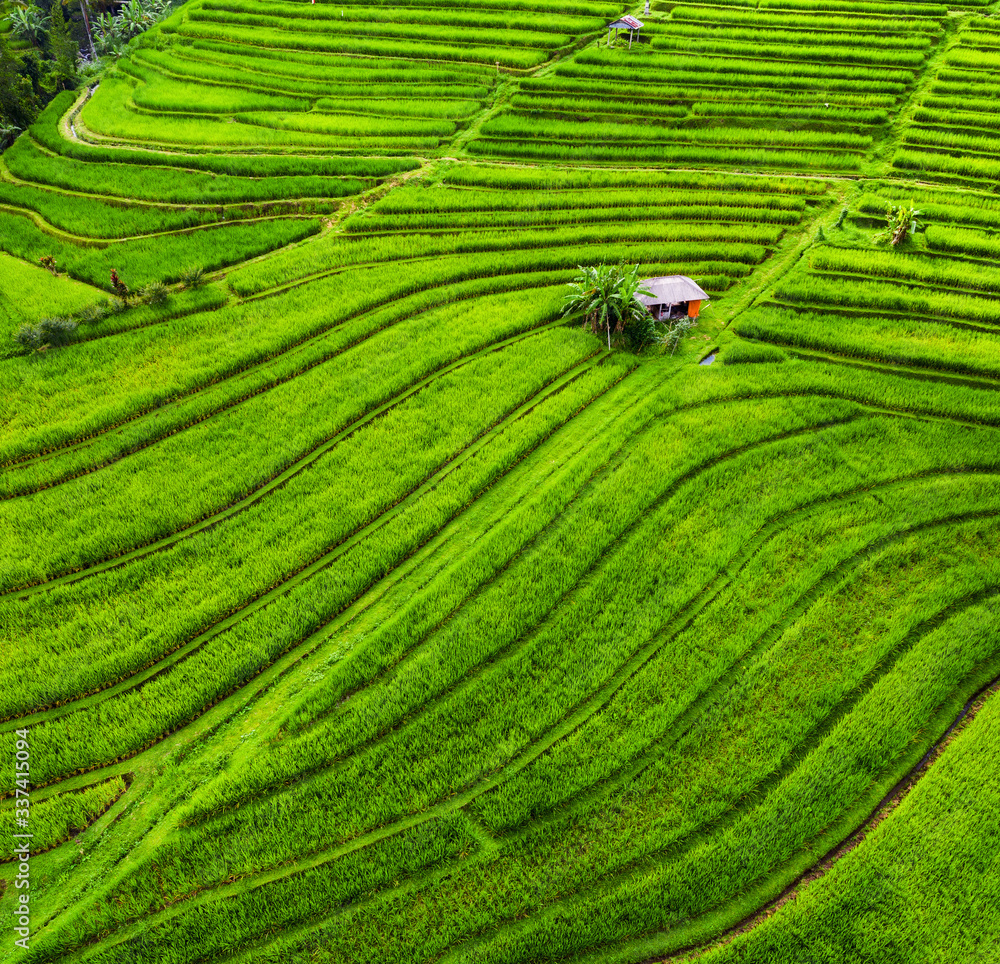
(606, 296)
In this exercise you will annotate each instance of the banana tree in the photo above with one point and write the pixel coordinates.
(109, 35)
(606, 296)
(901, 223)
(134, 18)
(28, 23)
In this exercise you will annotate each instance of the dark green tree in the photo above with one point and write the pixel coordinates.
(61, 74)
(18, 104)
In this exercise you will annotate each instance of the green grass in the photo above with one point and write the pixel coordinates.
(922, 874)
(357, 605)
(29, 293)
(764, 95)
(58, 819)
(163, 257)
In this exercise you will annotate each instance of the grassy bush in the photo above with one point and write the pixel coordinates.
(762, 32)
(504, 22)
(984, 168)
(688, 89)
(524, 127)
(397, 26)
(894, 341)
(525, 179)
(881, 28)
(939, 272)
(615, 64)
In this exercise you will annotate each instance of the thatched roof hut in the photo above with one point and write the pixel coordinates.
(673, 295)
(627, 22)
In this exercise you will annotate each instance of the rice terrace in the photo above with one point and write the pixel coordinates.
(371, 596)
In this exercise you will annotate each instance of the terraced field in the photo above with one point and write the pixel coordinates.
(358, 606)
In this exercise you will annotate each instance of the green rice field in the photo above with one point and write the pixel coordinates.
(358, 606)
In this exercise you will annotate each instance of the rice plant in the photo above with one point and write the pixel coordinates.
(358, 606)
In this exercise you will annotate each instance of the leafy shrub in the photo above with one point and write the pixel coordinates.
(48, 332)
(155, 293)
(57, 331)
(640, 332)
(193, 277)
(121, 289)
(28, 336)
(675, 331)
(901, 224)
(93, 314)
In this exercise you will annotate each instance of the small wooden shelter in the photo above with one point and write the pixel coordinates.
(673, 296)
(627, 22)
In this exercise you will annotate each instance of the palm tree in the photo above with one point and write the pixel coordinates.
(606, 296)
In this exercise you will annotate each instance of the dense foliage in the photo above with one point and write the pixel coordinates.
(606, 297)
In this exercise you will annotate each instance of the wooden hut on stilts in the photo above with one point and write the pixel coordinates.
(673, 296)
(628, 23)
